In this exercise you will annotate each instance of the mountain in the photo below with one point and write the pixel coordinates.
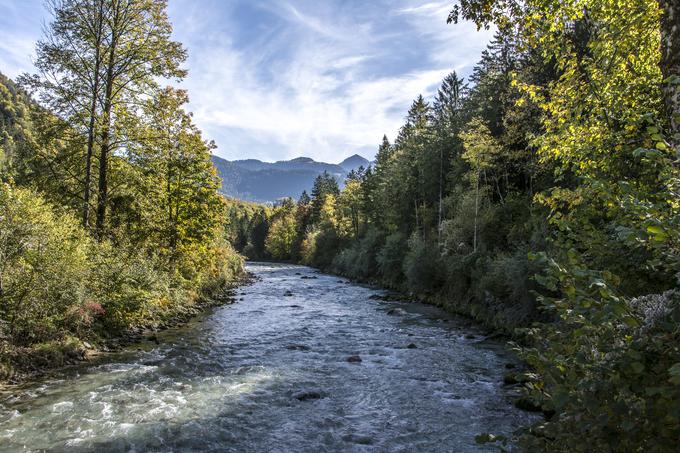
(255, 180)
(354, 162)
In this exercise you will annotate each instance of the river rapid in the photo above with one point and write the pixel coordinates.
(302, 362)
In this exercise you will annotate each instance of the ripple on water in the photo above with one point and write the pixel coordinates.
(232, 382)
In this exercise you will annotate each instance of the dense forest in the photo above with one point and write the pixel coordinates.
(110, 216)
(542, 197)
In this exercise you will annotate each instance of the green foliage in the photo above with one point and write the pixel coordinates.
(360, 259)
(606, 367)
(281, 236)
(422, 266)
(56, 282)
(160, 246)
(43, 267)
(390, 258)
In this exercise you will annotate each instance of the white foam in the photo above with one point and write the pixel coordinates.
(62, 407)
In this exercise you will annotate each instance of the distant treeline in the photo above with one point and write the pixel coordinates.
(110, 216)
(543, 193)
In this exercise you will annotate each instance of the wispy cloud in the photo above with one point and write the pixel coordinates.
(276, 79)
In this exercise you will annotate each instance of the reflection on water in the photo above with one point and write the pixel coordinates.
(270, 373)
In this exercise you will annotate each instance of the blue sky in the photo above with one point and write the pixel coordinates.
(277, 79)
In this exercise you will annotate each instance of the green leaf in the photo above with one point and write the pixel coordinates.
(637, 367)
(674, 371)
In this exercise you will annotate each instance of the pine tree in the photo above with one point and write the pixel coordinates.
(324, 185)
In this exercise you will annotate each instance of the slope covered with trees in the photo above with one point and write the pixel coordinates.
(542, 193)
(110, 216)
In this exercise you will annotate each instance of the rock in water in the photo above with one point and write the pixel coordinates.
(298, 347)
(308, 396)
(354, 359)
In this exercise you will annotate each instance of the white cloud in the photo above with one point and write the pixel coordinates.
(324, 99)
(323, 79)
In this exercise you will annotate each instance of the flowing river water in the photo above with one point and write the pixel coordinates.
(270, 373)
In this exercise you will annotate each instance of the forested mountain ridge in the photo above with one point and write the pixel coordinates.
(539, 196)
(254, 180)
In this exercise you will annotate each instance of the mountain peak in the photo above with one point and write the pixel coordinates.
(302, 159)
(353, 162)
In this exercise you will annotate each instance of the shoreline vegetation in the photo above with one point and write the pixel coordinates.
(28, 365)
(111, 218)
(539, 197)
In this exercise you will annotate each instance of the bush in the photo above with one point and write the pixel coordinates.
(56, 283)
(127, 283)
(391, 258)
(359, 260)
(43, 267)
(609, 370)
(422, 266)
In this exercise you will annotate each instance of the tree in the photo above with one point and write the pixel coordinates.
(324, 185)
(281, 236)
(69, 61)
(138, 50)
(447, 118)
(177, 196)
(481, 151)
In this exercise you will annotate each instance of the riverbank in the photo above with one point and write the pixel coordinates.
(306, 362)
(486, 314)
(19, 365)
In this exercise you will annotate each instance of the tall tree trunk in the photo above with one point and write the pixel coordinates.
(474, 240)
(670, 61)
(441, 192)
(102, 196)
(99, 24)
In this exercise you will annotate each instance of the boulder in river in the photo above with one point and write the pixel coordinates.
(357, 439)
(308, 396)
(396, 312)
(515, 378)
(412, 346)
(298, 347)
(288, 294)
(354, 359)
(526, 404)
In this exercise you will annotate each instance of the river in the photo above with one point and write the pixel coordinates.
(302, 362)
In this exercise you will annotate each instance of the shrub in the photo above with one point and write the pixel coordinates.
(391, 258)
(359, 260)
(126, 282)
(43, 266)
(610, 369)
(422, 266)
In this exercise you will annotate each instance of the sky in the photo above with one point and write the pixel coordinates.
(278, 79)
